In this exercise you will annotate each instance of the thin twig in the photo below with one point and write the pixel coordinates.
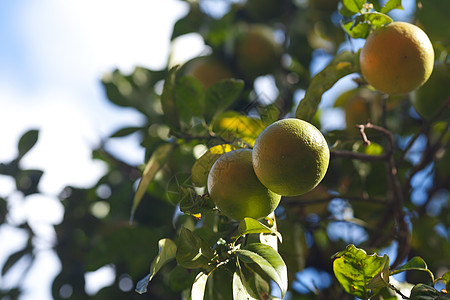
(358, 156)
(403, 236)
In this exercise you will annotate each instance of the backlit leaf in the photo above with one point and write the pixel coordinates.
(202, 166)
(233, 126)
(354, 269)
(249, 225)
(390, 5)
(343, 64)
(353, 5)
(446, 279)
(155, 163)
(167, 252)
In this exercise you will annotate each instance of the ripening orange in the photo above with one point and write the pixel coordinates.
(397, 58)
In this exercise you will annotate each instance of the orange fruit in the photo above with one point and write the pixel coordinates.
(290, 157)
(397, 58)
(208, 70)
(235, 189)
(257, 52)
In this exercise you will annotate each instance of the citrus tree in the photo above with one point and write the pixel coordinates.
(245, 195)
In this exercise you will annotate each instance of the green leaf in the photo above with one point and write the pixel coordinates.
(220, 96)
(249, 225)
(154, 164)
(167, 252)
(425, 292)
(198, 288)
(168, 101)
(446, 279)
(266, 261)
(189, 98)
(256, 286)
(181, 279)
(202, 166)
(382, 278)
(27, 141)
(15, 257)
(191, 203)
(343, 64)
(415, 263)
(125, 131)
(357, 29)
(390, 5)
(193, 252)
(239, 291)
(354, 269)
(353, 5)
(377, 19)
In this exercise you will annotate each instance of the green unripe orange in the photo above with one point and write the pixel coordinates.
(290, 157)
(207, 69)
(257, 52)
(235, 189)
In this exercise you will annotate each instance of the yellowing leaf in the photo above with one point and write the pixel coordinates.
(201, 167)
(232, 126)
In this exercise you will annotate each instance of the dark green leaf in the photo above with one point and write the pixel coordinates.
(415, 263)
(191, 203)
(167, 252)
(267, 262)
(220, 96)
(189, 98)
(155, 163)
(193, 252)
(354, 269)
(353, 5)
(343, 64)
(181, 279)
(425, 292)
(390, 5)
(27, 141)
(168, 101)
(125, 131)
(27, 181)
(14, 258)
(249, 225)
